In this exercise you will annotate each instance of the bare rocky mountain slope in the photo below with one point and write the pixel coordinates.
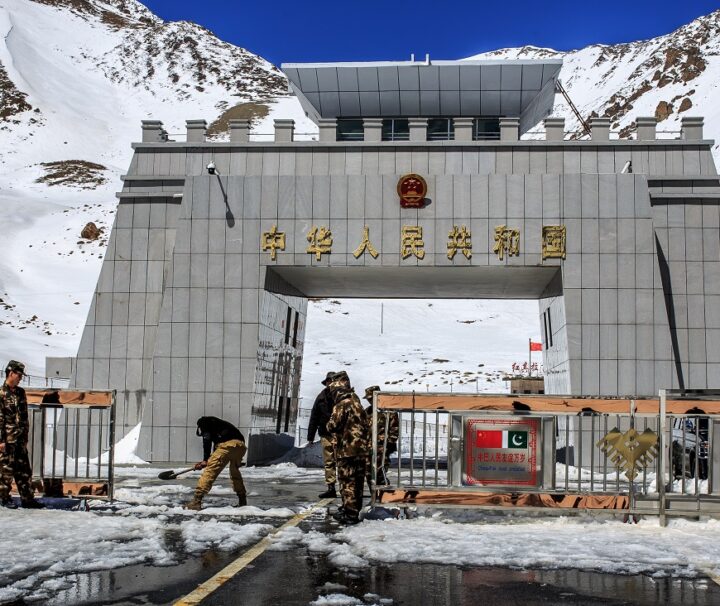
(668, 77)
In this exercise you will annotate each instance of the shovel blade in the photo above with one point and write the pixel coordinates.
(167, 475)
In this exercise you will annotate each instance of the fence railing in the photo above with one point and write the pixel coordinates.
(71, 441)
(656, 456)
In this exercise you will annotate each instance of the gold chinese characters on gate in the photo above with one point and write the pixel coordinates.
(506, 244)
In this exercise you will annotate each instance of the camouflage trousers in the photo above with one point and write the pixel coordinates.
(329, 462)
(231, 452)
(351, 474)
(14, 463)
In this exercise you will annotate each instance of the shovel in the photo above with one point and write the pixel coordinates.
(171, 475)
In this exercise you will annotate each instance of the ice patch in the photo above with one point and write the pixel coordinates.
(336, 599)
(225, 536)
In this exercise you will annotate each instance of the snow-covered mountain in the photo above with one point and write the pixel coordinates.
(78, 76)
(76, 79)
(668, 77)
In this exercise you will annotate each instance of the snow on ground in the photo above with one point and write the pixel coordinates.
(40, 550)
(684, 549)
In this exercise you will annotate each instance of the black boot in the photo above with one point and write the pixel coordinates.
(242, 500)
(330, 493)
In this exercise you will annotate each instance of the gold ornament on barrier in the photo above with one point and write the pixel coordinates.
(630, 451)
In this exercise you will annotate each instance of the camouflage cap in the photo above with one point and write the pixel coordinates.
(339, 380)
(14, 365)
(369, 391)
(329, 376)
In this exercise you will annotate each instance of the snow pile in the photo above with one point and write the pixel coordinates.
(125, 449)
(684, 549)
(225, 536)
(39, 546)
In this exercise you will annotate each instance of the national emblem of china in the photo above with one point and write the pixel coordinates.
(412, 190)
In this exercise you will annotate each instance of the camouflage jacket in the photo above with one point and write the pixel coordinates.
(14, 424)
(393, 426)
(350, 425)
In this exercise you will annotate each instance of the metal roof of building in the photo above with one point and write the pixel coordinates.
(424, 89)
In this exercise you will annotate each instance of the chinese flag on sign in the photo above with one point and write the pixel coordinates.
(535, 346)
(501, 439)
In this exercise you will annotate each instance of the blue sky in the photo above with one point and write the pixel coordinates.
(374, 30)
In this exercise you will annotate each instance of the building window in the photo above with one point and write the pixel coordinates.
(295, 329)
(287, 325)
(486, 129)
(549, 328)
(395, 129)
(440, 129)
(350, 130)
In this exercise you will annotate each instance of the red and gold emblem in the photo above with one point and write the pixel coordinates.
(412, 190)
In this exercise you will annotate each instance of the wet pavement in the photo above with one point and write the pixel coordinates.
(296, 575)
(432, 585)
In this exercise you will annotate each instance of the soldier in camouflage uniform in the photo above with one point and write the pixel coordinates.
(388, 432)
(14, 429)
(349, 424)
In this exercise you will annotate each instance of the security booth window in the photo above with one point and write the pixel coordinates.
(486, 129)
(350, 129)
(395, 129)
(440, 129)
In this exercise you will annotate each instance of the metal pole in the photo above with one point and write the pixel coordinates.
(660, 478)
(412, 440)
(373, 462)
(631, 501)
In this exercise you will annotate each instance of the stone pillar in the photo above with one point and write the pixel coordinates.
(372, 128)
(600, 129)
(153, 132)
(692, 129)
(284, 131)
(328, 129)
(463, 129)
(646, 127)
(418, 129)
(509, 129)
(196, 130)
(554, 129)
(239, 131)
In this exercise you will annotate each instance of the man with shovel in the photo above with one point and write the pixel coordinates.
(230, 447)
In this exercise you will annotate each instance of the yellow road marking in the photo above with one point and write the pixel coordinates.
(227, 573)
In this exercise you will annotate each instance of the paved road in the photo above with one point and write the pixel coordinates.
(299, 577)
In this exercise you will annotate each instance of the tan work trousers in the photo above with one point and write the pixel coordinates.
(329, 461)
(231, 452)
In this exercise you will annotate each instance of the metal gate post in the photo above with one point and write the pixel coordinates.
(111, 454)
(660, 478)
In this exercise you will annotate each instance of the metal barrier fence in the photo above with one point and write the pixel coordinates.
(71, 441)
(656, 456)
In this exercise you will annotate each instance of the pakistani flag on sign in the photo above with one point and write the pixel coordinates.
(506, 438)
